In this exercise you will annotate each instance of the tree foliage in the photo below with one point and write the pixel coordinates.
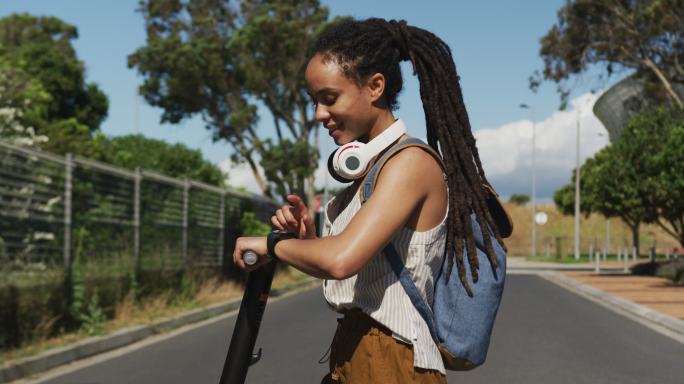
(519, 199)
(653, 143)
(175, 160)
(670, 161)
(217, 60)
(638, 178)
(16, 94)
(608, 186)
(50, 76)
(646, 36)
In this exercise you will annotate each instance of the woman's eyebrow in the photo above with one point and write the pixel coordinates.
(326, 90)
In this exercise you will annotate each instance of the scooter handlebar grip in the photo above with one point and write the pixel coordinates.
(250, 258)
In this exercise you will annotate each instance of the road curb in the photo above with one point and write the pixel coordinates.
(17, 369)
(666, 321)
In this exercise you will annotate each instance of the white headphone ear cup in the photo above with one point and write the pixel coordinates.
(331, 170)
(351, 161)
(353, 164)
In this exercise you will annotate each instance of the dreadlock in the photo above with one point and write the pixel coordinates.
(362, 48)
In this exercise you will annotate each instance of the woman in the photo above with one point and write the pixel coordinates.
(421, 204)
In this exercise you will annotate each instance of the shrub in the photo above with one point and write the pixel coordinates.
(251, 226)
(519, 199)
(671, 269)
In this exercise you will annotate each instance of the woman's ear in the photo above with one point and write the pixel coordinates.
(376, 86)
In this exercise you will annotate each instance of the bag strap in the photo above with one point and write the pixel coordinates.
(411, 290)
(501, 218)
(371, 178)
(390, 252)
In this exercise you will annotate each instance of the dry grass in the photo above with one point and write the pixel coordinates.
(592, 231)
(148, 310)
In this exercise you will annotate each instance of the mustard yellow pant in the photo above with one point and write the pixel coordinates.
(364, 351)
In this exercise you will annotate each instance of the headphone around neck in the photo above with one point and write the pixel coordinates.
(350, 161)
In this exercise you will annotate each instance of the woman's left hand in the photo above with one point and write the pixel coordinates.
(255, 244)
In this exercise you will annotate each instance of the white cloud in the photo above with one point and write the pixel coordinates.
(240, 175)
(506, 151)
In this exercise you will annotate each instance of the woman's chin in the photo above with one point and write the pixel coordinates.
(341, 140)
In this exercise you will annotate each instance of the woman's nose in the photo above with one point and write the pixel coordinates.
(321, 114)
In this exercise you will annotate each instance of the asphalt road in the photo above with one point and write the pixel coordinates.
(544, 334)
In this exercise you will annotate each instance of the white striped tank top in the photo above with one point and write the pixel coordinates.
(377, 291)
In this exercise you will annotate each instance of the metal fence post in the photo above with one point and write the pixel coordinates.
(136, 223)
(222, 225)
(68, 268)
(68, 171)
(184, 250)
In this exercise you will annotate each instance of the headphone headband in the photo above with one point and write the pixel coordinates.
(386, 138)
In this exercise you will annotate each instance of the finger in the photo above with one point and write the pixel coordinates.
(234, 262)
(236, 253)
(276, 223)
(310, 225)
(297, 203)
(291, 219)
(282, 219)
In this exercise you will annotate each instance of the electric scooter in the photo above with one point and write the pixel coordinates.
(241, 351)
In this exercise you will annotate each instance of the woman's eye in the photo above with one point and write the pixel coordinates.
(327, 101)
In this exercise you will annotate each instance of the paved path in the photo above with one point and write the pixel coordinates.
(653, 292)
(544, 334)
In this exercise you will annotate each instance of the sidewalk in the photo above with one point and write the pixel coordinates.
(652, 299)
(653, 292)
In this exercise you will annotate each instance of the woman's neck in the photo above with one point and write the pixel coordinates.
(382, 122)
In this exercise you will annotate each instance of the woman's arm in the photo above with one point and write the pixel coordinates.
(402, 186)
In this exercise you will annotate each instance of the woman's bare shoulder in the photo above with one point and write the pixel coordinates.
(418, 160)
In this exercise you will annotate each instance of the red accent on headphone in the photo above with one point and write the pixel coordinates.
(345, 148)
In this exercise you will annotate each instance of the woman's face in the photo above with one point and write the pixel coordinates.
(341, 105)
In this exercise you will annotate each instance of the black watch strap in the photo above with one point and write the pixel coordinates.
(273, 239)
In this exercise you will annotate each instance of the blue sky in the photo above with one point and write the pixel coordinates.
(495, 45)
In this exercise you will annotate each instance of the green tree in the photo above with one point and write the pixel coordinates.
(653, 142)
(518, 199)
(641, 35)
(175, 160)
(670, 161)
(217, 60)
(616, 188)
(638, 178)
(608, 186)
(39, 49)
(19, 96)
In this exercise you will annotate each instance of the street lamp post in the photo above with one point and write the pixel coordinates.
(534, 182)
(577, 190)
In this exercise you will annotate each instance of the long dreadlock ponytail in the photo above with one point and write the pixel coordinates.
(362, 48)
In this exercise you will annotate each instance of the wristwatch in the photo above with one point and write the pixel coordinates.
(273, 239)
